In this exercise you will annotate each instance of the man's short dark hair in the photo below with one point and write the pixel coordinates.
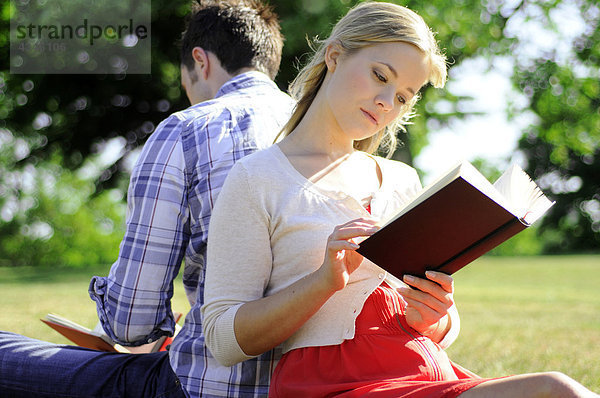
(240, 33)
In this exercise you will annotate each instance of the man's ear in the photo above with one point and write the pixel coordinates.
(202, 62)
(332, 55)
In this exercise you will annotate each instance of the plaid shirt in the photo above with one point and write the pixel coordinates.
(173, 187)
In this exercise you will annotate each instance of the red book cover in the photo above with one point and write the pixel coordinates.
(453, 222)
(81, 337)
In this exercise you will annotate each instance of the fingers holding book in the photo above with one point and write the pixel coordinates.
(341, 258)
(428, 303)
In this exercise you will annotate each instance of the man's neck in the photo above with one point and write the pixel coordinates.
(221, 77)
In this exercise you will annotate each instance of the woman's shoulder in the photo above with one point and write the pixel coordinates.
(262, 165)
(258, 160)
(260, 175)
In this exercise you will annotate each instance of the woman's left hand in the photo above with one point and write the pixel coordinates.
(428, 304)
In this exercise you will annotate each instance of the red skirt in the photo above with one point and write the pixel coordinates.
(386, 358)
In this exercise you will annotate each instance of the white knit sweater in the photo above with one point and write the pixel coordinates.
(269, 228)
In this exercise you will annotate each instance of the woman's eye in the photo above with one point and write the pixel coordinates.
(401, 99)
(379, 76)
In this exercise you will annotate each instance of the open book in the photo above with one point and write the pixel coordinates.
(454, 220)
(97, 339)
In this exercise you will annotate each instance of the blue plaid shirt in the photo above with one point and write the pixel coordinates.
(173, 187)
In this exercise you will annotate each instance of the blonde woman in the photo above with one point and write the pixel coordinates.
(278, 276)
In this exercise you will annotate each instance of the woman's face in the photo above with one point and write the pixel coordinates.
(368, 89)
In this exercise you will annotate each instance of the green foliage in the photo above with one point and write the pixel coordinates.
(52, 217)
(55, 123)
(563, 148)
(526, 243)
(74, 112)
(52, 212)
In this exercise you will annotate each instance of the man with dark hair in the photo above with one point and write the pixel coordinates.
(231, 51)
(239, 37)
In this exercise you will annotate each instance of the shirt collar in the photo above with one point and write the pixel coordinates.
(244, 80)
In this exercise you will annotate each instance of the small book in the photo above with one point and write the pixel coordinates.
(455, 220)
(97, 339)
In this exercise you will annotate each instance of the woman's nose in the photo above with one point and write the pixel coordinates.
(385, 100)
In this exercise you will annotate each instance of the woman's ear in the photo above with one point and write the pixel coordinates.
(202, 62)
(332, 55)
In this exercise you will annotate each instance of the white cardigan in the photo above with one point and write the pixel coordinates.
(269, 228)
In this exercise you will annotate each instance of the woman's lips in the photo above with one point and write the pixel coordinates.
(370, 116)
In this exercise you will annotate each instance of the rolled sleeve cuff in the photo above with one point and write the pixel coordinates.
(225, 348)
(452, 334)
(97, 291)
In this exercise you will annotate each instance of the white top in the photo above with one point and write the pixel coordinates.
(269, 228)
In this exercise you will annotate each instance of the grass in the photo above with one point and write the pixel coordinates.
(518, 315)
(28, 294)
(530, 314)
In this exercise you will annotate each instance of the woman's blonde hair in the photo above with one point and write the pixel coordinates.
(367, 24)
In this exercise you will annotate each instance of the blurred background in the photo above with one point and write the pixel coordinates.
(524, 87)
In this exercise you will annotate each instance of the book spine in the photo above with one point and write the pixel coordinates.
(482, 246)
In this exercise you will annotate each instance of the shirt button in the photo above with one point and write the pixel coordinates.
(381, 275)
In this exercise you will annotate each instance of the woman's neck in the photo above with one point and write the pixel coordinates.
(315, 142)
(320, 151)
(318, 134)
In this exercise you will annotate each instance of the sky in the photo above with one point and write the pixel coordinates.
(491, 135)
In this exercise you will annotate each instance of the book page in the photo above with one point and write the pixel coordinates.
(68, 323)
(523, 194)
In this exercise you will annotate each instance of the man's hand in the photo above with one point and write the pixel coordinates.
(428, 304)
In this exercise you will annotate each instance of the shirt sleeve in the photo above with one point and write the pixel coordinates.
(134, 301)
(452, 334)
(238, 266)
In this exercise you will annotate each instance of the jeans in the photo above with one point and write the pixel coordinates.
(33, 368)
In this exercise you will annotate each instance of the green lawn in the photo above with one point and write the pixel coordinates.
(518, 315)
(28, 294)
(529, 314)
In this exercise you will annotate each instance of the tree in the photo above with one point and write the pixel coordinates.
(71, 113)
(57, 204)
(563, 147)
(49, 121)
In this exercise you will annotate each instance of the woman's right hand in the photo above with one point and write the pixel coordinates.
(292, 306)
(341, 258)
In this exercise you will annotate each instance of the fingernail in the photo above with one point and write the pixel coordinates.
(409, 278)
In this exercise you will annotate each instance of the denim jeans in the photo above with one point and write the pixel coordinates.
(33, 368)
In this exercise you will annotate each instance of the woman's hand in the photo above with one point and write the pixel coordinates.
(428, 304)
(341, 258)
(292, 306)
